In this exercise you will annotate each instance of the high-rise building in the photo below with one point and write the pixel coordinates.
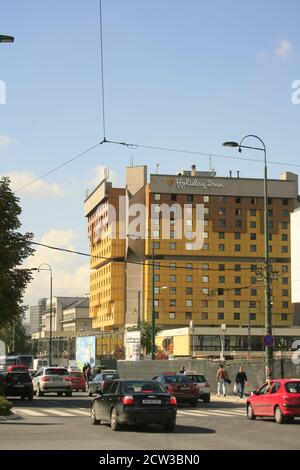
(219, 282)
(36, 313)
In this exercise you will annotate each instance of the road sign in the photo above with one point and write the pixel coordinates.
(268, 340)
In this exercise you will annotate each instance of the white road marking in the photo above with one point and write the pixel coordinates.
(59, 412)
(29, 412)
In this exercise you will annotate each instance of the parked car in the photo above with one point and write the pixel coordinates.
(180, 386)
(279, 398)
(135, 402)
(202, 384)
(101, 382)
(78, 381)
(52, 379)
(18, 384)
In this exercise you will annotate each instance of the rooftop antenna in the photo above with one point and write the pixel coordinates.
(106, 173)
(211, 168)
(157, 167)
(131, 161)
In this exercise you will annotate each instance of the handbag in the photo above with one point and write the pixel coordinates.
(235, 389)
(228, 381)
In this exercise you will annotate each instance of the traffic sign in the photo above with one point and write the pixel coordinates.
(268, 340)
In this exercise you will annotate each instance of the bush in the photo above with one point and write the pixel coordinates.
(5, 406)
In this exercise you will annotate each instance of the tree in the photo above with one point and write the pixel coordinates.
(15, 337)
(146, 335)
(14, 249)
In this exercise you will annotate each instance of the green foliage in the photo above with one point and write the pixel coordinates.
(14, 249)
(5, 406)
(146, 335)
(15, 338)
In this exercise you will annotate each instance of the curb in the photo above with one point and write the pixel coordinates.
(11, 417)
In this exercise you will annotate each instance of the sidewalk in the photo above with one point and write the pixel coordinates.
(10, 417)
(228, 398)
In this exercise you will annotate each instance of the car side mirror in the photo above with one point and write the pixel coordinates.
(254, 392)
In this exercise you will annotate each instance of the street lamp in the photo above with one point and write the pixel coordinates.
(153, 307)
(50, 317)
(6, 38)
(267, 273)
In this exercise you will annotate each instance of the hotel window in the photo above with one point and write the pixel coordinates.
(172, 234)
(156, 245)
(237, 235)
(237, 267)
(253, 268)
(172, 315)
(189, 223)
(173, 278)
(157, 197)
(238, 200)
(237, 247)
(252, 236)
(253, 224)
(221, 223)
(237, 279)
(189, 266)
(253, 212)
(285, 268)
(205, 291)
(270, 212)
(188, 303)
(284, 237)
(205, 246)
(156, 290)
(284, 249)
(204, 303)
(270, 200)
(205, 267)
(156, 277)
(204, 316)
(172, 265)
(173, 290)
(156, 209)
(221, 235)
(205, 235)
(221, 247)
(238, 223)
(222, 199)
(236, 316)
(253, 200)
(190, 198)
(220, 303)
(173, 197)
(253, 248)
(188, 246)
(189, 291)
(155, 233)
(285, 280)
(252, 304)
(284, 316)
(172, 302)
(285, 213)
(238, 211)
(156, 315)
(222, 211)
(285, 304)
(284, 225)
(253, 292)
(189, 278)
(188, 315)
(222, 279)
(220, 291)
(205, 198)
(205, 223)
(252, 316)
(189, 211)
(155, 221)
(156, 266)
(236, 304)
(221, 267)
(206, 210)
(270, 224)
(270, 236)
(172, 246)
(237, 291)
(285, 202)
(253, 280)
(156, 303)
(220, 315)
(205, 279)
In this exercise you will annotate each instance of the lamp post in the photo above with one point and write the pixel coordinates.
(6, 38)
(267, 273)
(153, 307)
(50, 316)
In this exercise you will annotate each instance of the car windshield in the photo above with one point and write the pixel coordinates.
(56, 372)
(140, 386)
(110, 376)
(197, 378)
(292, 387)
(18, 378)
(176, 379)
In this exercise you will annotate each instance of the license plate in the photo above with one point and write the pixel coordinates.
(19, 386)
(151, 402)
(56, 379)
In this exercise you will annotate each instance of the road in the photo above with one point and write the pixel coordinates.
(63, 423)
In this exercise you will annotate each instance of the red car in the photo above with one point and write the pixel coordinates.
(78, 381)
(180, 386)
(280, 399)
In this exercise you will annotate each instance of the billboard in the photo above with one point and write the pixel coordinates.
(85, 350)
(132, 345)
(295, 255)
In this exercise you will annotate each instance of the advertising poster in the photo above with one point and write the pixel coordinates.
(85, 350)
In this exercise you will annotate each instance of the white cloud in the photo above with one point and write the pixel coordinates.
(283, 49)
(5, 140)
(38, 188)
(70, 271)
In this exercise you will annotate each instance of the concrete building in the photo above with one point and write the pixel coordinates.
(295, 263)
(219, 283)
(58, 306)
(36, 314)
(76, 316)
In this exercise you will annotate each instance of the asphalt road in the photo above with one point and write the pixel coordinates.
(52, 422)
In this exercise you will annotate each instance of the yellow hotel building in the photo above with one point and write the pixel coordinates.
(221, 283)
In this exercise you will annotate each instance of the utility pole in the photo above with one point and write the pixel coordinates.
(153, 306)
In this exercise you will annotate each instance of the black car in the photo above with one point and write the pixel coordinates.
(18, 384)
(134, 402)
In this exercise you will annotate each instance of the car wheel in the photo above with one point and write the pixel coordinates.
(170, 427)
(279, 418)
(250, 413)
(194, 403)
(94, 421)
(206, 399)
(68, 394)
(115, 426)
(39, 393)
(90, 393)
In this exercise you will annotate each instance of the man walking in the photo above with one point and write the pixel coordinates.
(241, 380)
(222, 378)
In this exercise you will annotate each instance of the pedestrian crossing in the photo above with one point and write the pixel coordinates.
(84, 412)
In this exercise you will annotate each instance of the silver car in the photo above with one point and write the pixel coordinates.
(101, 382)
(52, 379)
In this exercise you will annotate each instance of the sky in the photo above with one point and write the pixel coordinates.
(181, 74)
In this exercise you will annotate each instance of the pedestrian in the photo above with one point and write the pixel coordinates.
(241, 381)
(222, 379)
(182, 370)
(87, 373)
